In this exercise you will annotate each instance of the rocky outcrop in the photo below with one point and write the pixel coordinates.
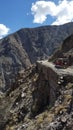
(46, 89)
(66, 50)
(47, 86)
(67, 44)
(26, 46)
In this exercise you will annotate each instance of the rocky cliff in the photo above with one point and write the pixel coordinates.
(65, 51)
(67, 44)
(25, 47)
(37, 100)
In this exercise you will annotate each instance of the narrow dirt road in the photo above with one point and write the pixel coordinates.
(59, 71)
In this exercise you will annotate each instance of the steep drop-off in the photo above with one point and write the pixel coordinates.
(38, 102)
(41, 98)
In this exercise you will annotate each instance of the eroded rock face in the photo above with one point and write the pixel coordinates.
(66, 50)
(46, 89)
(67, 44)
(13, 58)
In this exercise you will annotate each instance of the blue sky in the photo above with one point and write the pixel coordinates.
(17, 14)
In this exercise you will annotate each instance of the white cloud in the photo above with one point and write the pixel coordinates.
(62, 12)
(3, 30)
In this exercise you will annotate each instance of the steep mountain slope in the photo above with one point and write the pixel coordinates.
(67, 44)
(66, 49)
(36, 100)
(19, 50)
